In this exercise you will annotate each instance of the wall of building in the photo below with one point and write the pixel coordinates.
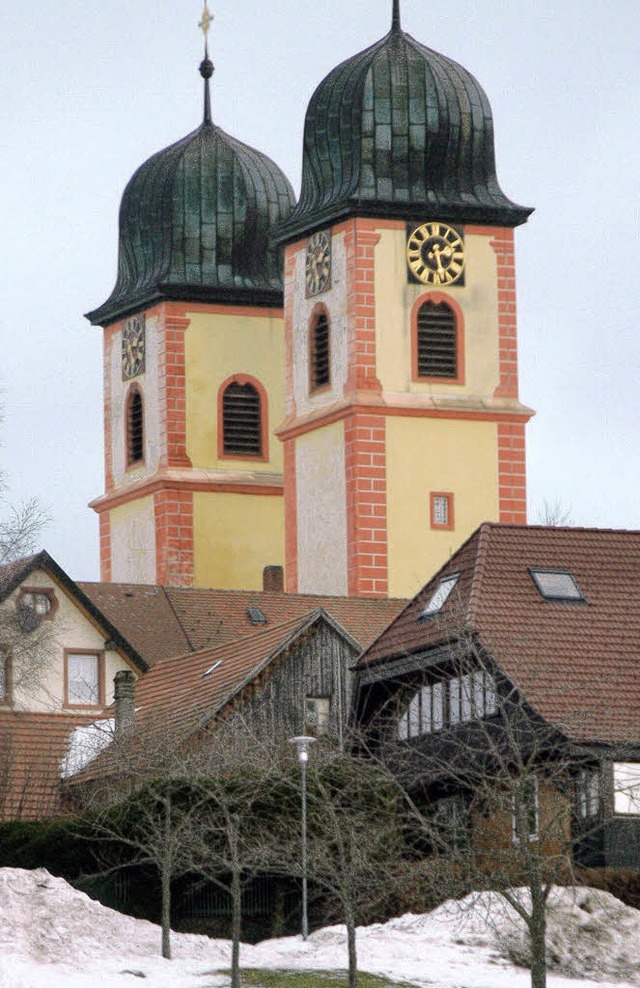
(235, 537)
(133, 541)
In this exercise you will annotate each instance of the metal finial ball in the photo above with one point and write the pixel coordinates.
(206, 68)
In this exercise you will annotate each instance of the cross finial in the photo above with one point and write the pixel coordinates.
(395, 20)
(206, 66)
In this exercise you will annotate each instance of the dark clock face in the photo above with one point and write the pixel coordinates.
(318, 266)
(435, 254)
(133, 347)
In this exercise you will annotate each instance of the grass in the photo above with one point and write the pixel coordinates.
(256, 978)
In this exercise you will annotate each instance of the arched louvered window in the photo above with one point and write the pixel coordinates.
(135, 427)
(436, 348)
(319, 352)
(242, 420)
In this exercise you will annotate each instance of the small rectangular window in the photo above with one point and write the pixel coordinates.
(467, 696)
(626, 788)
(556, 585)
(83, 679)
(414, 717)
(425, 712)
(438, 696)
(317, 710)
(441, 509)
(588, 792)
(454, 701)
(440, 596)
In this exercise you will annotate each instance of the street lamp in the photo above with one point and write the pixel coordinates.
(303, 744)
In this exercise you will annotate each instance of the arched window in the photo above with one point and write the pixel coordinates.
(436, 343)
(319, 352)
(135, 427)
(242, 420)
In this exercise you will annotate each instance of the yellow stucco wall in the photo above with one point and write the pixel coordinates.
(218, 346)
(425, 455)
(235, 537)
(478, 299)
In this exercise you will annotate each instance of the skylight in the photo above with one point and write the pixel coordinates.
(256, 615)
(212, 668)
(440, 595)
(556, 584)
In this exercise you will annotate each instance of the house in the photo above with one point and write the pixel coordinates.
(542, 625)
(63, 644)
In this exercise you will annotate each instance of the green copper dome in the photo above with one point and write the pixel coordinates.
(195, 223)
(399, 131)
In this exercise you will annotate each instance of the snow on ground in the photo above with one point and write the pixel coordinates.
(52, 936)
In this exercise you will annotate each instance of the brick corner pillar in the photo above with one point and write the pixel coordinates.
(366, 475)
(173, 389)
(512, 473)
(174, 538)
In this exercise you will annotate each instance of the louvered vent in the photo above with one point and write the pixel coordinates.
(319, 352)
(135, 428)
(241, 425)
(437, 351)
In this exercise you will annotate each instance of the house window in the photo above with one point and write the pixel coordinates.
(436, 347)
(242, 420)
(135, 427)
(626, 788)
(588, 792)
(448, 702)
(524, 810)
(441, 510)
(440, 596)
(556, 584)
(319, 352)
(452, 820)
(317, 710)
(35, 605)
(84, 679)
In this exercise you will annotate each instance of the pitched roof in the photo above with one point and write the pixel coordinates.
(577, 663)
(166, 621)
(15, 573)
(32, 749)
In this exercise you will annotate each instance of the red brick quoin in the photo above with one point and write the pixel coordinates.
(504, 247)
(512, 473)
(173, 403)
(174, 537)
(366, 473)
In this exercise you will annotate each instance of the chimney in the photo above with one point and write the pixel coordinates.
(273, 579)
(124, 697)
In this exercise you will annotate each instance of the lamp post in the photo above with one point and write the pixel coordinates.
(303, 744)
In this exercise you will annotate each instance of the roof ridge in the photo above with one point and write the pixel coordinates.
(482, 551)
(165, 591)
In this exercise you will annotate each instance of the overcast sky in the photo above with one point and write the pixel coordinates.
(90, 91)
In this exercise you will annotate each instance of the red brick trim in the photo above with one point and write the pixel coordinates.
(105, 546)
(366, 476)
(438, 298)
(450, 525)
(504, 247)
(290, 517)
(321, 417)
(370, 224)
(194, 485)
(289, 271)
(172, 390)
(264, 419)
(184, 309)
(360, 243)
(174, 538)
(512, 473)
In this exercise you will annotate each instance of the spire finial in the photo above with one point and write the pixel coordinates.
(206, 66)
(395, 20)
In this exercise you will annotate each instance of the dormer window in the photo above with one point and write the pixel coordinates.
(556, 584)
(440, 596)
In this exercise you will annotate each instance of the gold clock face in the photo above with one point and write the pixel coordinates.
(133, 348)
(318, 266)
(435, 254)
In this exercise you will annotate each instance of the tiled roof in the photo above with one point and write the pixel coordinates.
(578, 664)
(32, 748)
(161, 622)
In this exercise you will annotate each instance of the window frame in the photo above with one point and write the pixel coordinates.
(449, 525)
(243, 380)
(442, 704)
(100, 662)
(48, 592)
(133, 391)
(319, 312)
(438, 298)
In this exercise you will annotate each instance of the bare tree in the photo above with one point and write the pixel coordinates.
(554, 513)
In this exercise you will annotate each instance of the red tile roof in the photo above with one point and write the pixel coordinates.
(165, 621)
(32, 748)
(578, 664)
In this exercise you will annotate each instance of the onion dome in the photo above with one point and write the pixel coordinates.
(399, 131)
(196, 222)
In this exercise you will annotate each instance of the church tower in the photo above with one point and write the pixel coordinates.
(193, 367)
(403, 428)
